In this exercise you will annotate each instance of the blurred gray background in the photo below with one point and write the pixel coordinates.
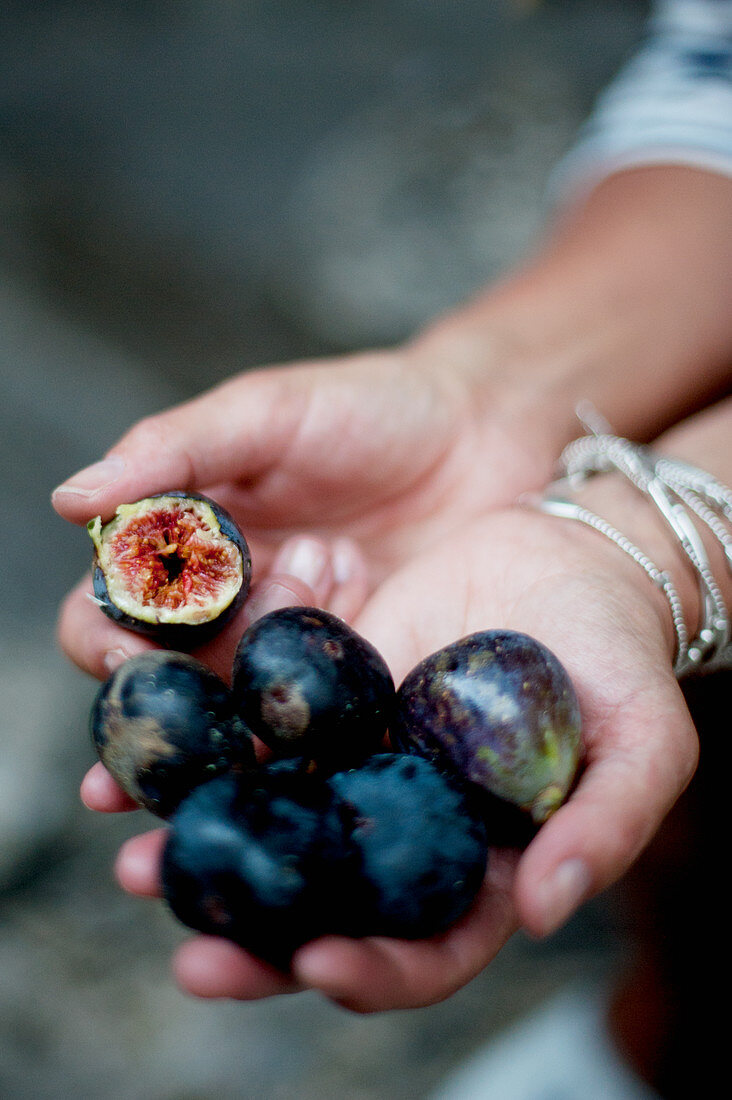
(188, 189)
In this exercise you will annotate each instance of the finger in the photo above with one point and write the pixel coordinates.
(636, 770)
(205, 966)
(309, 559)
(100, 792)
(351, 580)
(240, 428)
(138, 863)
(213, 968)
(91, 640)
(379, 974)
(336, 571)
(305, 572)
(98, 645)
(270, 594)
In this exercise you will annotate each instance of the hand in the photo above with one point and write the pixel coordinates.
(396, 455)
(598, 612)
(379, 455)
(395, 449)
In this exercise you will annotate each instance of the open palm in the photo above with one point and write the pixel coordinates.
(519, 570)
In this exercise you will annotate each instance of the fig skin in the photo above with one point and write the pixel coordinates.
(422, 842)
(259, 859)
(498, 708)
(179, 636)
(279, 856)
(308, 685)
(164, 723)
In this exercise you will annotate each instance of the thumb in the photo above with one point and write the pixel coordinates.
(635, 773)
(237, 430)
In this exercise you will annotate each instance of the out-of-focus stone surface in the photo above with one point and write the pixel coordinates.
(65, 395)
(194, 164)
(186, 189)
(43, 724)
(418, 208)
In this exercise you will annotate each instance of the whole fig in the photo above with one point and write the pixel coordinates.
(163, 723)
(498, 708)
(421, 841)
(308, 685)
(260, 859)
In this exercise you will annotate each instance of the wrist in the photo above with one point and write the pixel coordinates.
(613, 498)
(689, 505)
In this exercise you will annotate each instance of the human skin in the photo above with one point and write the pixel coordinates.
(409, 463)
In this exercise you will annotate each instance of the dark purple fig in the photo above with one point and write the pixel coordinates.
(174, 566)
(163, 723)
(308, 685)
(422, 844)
(259, 859)
(498, 708)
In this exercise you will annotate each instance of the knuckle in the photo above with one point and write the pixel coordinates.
(160, 439)
(145, 434)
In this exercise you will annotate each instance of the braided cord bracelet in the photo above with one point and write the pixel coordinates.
(676, 489)
(569, 509)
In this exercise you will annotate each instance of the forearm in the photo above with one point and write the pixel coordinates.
(627, 303)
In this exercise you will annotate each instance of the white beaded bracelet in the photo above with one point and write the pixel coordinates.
(569, 509)
(676, 489)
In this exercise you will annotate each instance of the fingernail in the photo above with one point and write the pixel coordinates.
(114, 658)
(315, 966)
(272, 596)
(304, 558)
(93, 478)
(344, 558)
(562, 892)
(132, 867)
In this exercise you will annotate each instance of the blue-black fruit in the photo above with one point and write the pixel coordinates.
(308, 685)
(174, 566)
(421, 841)
(259, 859)
(499, 709)
(162, 723)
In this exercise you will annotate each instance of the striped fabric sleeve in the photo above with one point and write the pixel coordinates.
(671, 104)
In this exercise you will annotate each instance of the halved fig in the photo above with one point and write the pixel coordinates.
(174, 566)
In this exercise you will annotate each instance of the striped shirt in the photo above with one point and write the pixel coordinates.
(671, 104)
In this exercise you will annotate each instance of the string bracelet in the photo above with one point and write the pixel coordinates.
(678, 491)
(556, 505)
